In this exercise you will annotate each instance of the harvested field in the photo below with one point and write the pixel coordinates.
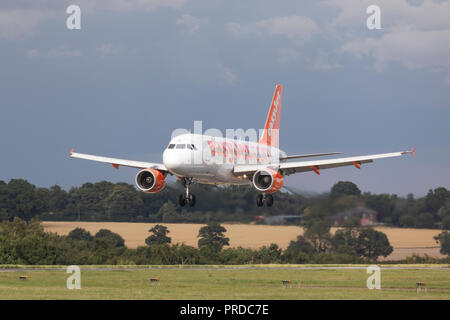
(405, 241)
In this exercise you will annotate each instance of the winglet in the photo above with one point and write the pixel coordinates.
(71, 151)
(413, 152)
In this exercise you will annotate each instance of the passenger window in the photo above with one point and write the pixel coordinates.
(171, 146)
(181, 146)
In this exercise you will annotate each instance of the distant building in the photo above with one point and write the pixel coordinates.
(365, 216)
(278, 220)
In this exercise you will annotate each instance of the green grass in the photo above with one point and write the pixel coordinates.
(217, 282)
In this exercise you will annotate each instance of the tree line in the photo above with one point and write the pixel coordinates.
(105, 201)
(26, 243)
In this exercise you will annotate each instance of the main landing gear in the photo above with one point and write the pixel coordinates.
(264, 198)
(186, 197)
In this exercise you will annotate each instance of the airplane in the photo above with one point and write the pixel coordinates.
(199, 158)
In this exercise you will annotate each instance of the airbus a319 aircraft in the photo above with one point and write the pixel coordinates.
(221, 161)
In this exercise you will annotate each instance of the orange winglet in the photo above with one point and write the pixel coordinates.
(413, 151)
(71, 151)
(356, 164)
(315, 169)
(115, 165)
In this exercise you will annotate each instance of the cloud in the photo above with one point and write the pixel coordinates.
(227, 76)
(33, 53)
(19, 18)
(414, 35)
(424, 15)
(324, 62)
(134, 5)
(107, 49)
(447, 80)
(190, 22)
(15, 23)
(296, 28)
(288, 55)
(63, 52)
(58, 52)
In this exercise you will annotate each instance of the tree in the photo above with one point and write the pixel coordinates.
(406, 221)
(345, 188)
(435, 199)
(212, 235)
(372, 244)
(80, 234)
(346, 240)
(58, 199)
(271, 254)
(168, 212)
(298, 251)
(317, 226)
(444, 239)
(446, 223)
(383, 204)
(109, 238)
(425, 220)
(122, 203)
(159, 235)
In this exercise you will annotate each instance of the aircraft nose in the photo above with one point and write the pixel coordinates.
(171, 161)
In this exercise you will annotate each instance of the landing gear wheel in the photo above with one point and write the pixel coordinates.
(182, 200)
(186, 197)
(259, 200)
(191, 200)
(269, 200)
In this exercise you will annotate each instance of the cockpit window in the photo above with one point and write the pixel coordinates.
(171, 146)
(189, 146)
(193, 147)
(181, 146)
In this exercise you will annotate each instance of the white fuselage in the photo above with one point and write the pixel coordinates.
(209, 159)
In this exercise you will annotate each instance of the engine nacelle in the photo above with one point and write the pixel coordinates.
(268, 180)
(150, 180)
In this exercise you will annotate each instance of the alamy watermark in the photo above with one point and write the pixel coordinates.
(73, 22)
(374, 20)
(374, 281)
(74, 281)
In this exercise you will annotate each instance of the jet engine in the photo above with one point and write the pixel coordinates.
(150, 180)
(267, 180)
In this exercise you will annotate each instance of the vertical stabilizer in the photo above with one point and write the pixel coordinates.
(271, 132)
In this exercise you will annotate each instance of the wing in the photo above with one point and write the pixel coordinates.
(310, 155)
(119, 162)
(288, 168)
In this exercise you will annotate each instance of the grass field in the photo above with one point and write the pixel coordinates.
(232, 282)
(405, 241)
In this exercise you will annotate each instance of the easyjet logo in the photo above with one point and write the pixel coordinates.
(274, 113)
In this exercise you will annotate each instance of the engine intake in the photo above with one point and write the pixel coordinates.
(268, 180)
(150, 180)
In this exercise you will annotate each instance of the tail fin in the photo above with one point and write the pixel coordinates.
(271, 132)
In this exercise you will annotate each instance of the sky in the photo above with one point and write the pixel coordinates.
(138, 69)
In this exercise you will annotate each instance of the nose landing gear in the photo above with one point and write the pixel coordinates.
(186, 197)
(264, 198)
